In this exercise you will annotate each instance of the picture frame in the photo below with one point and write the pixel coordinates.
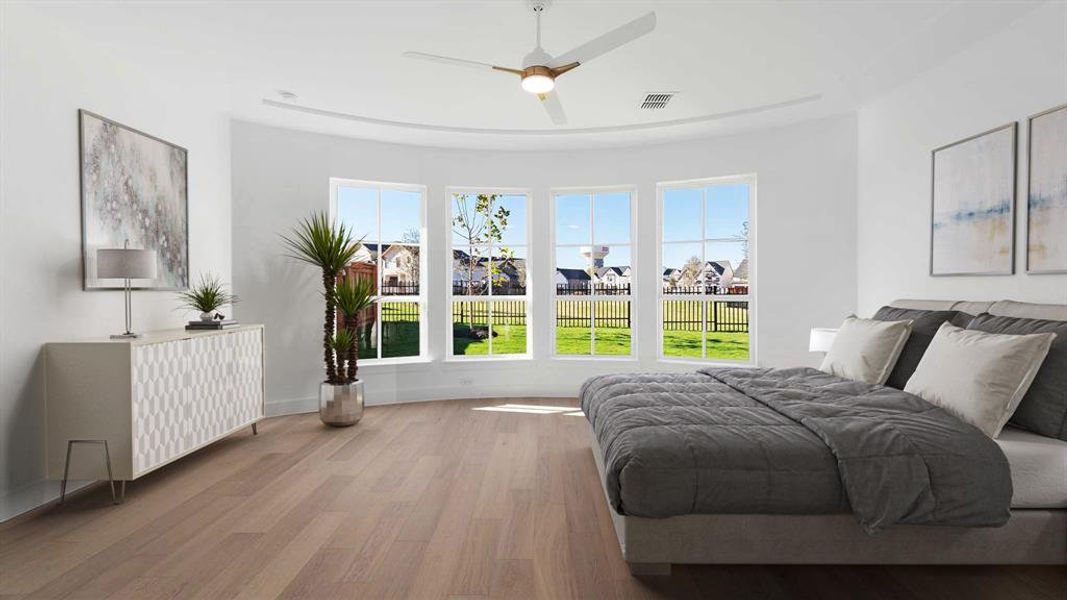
(1046, 192)
(134, 188)
(972, 204)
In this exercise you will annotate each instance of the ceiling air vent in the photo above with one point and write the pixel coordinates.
(657, 100)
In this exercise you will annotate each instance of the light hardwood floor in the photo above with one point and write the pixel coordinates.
(428, 500)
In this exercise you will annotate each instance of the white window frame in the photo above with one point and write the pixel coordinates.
(750, 297)
(421, 299)
(593, 298)
(450, 192)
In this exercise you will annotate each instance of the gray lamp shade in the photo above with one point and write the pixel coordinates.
(125, 263)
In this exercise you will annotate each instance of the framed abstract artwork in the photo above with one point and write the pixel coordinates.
(134, 189)
(972, 229)
(1046, 197)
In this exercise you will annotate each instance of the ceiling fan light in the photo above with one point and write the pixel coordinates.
(538, 84)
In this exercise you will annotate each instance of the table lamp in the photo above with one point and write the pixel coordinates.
(821, 339)
(126, 263)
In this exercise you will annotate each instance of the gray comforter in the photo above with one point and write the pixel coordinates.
(790, 441)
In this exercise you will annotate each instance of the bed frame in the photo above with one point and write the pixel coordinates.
(1031, 536)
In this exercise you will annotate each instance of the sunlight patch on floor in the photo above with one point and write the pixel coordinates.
(533, 409)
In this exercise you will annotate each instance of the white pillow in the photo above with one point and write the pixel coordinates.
(866, 350)
(979, 377)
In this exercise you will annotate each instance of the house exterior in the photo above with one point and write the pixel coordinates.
(612, 276)
(400, 262)
(714, 273)
(741, 273)
(510, 273)
(572, 278)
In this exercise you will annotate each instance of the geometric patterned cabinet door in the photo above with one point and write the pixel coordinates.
(160, 401)
(154, 399)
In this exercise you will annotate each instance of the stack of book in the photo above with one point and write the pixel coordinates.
(211, 325)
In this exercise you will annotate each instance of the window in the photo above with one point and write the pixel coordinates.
(489, 295)
(388, 220)
(706, 265)
(593, 273)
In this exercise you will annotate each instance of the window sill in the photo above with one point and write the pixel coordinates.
(371, 363)
(701, 362)
(458, 360)
(593, 357)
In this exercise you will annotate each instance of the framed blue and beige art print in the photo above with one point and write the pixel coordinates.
(134, 188)
(973, 205)
(1046, 198)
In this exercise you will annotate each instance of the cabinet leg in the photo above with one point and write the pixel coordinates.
(110, 477)
(255, 429)
(107, 462)
(122, 491)
(66, 474)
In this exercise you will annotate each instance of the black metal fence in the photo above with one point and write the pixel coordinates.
(400, 289)
(400, 311)
(482, 289)
(507, 312)
(586, 289)
(577, 313)
(699, 290)
(680, 315)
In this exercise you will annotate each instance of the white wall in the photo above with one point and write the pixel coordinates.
(805, 229)
(1006, 77)
(48, 72)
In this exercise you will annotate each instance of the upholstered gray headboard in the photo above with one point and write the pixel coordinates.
(1004, 308)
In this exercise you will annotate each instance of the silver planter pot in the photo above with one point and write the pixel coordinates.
(341, 405)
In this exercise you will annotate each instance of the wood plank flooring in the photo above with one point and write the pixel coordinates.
(432, 500)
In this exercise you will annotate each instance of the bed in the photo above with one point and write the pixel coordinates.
(793, 466)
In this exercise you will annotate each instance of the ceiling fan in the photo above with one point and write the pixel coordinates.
(540, 69)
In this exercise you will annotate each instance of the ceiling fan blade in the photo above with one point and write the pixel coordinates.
(607, 42)
(553, 107)
(459, 62)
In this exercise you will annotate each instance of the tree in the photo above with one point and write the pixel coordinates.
(479, 222)
(691, 272)
(743, 238)
(410, 263)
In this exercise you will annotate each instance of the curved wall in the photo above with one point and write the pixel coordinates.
(805, 248)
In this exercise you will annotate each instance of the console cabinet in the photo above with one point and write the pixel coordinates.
(154, 399)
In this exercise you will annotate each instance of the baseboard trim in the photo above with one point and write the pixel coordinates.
(36, 495)
(307, 405)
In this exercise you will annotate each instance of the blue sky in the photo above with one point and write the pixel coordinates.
(358, 208)
(727, 210)
(578, 216)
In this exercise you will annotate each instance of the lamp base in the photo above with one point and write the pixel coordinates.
(125, 336)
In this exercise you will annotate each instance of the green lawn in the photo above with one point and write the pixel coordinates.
(721, 346)
(510, 339)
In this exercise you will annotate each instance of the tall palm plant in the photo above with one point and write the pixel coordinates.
(354, 296)
(320, 242)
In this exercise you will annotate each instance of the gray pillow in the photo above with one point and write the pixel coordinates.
(979, 377)
(1043, 409)
(924, 324)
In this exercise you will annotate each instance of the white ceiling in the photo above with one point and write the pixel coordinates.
(735, 65)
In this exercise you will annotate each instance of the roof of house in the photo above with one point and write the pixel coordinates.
(373, 247)
(574, 274)
(741, 272)
(600, 272)
(719, 266)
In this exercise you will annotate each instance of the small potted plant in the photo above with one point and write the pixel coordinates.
(207, 296)
(317, 241)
